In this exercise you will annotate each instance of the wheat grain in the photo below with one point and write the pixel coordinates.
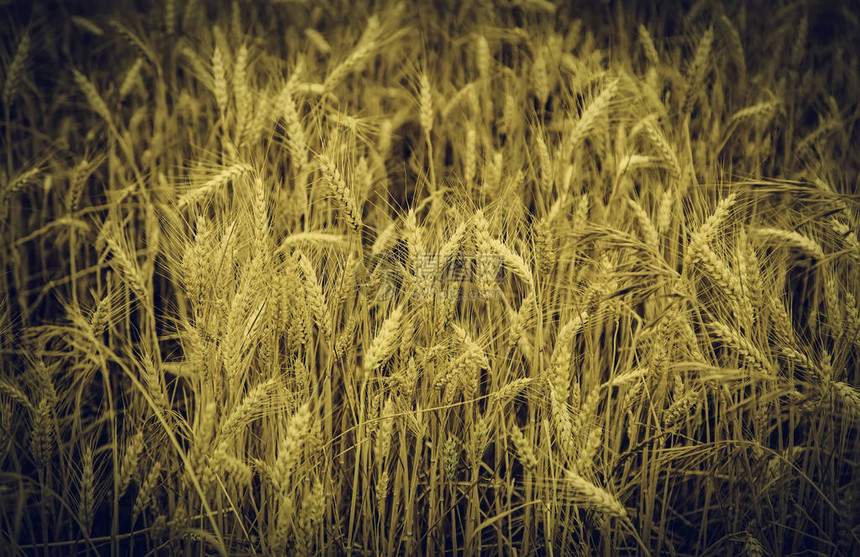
(219, 80)
(540, 76)
(132, 77)
(798, 47)
(251, 406)
(595, 497)
(86, 488)
(241, 92)
(451, 458)
(590, 116)
(15, 70)
(850, 398)
(425, 104)
(511, 390)
(316, 38)
(525, 452)
(15, 393)
(649, 231)
(130, 460)
(744, 347)
(482, 57)
(147, 488)
(664, 149)
(698, 70)
(272, 292)
(470, 159)
(342, 192)
(516, 263)
(290, 446)
(87, 25)
(94, 99)
(384, 342)
(759, 111)
(356, 58)
(735, 45)
(42, 433)
(792, 238)
(170, 17)
(648, 46)
(220, 180)
(125, 263)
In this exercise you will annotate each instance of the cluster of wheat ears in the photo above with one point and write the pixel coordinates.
(242, 242)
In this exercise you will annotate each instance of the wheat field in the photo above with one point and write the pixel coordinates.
(511, 277)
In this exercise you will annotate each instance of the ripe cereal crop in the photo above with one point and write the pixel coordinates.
(532, 277)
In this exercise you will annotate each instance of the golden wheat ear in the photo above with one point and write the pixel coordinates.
(285, 277)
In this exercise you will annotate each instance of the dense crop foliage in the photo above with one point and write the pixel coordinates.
(513, 277)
